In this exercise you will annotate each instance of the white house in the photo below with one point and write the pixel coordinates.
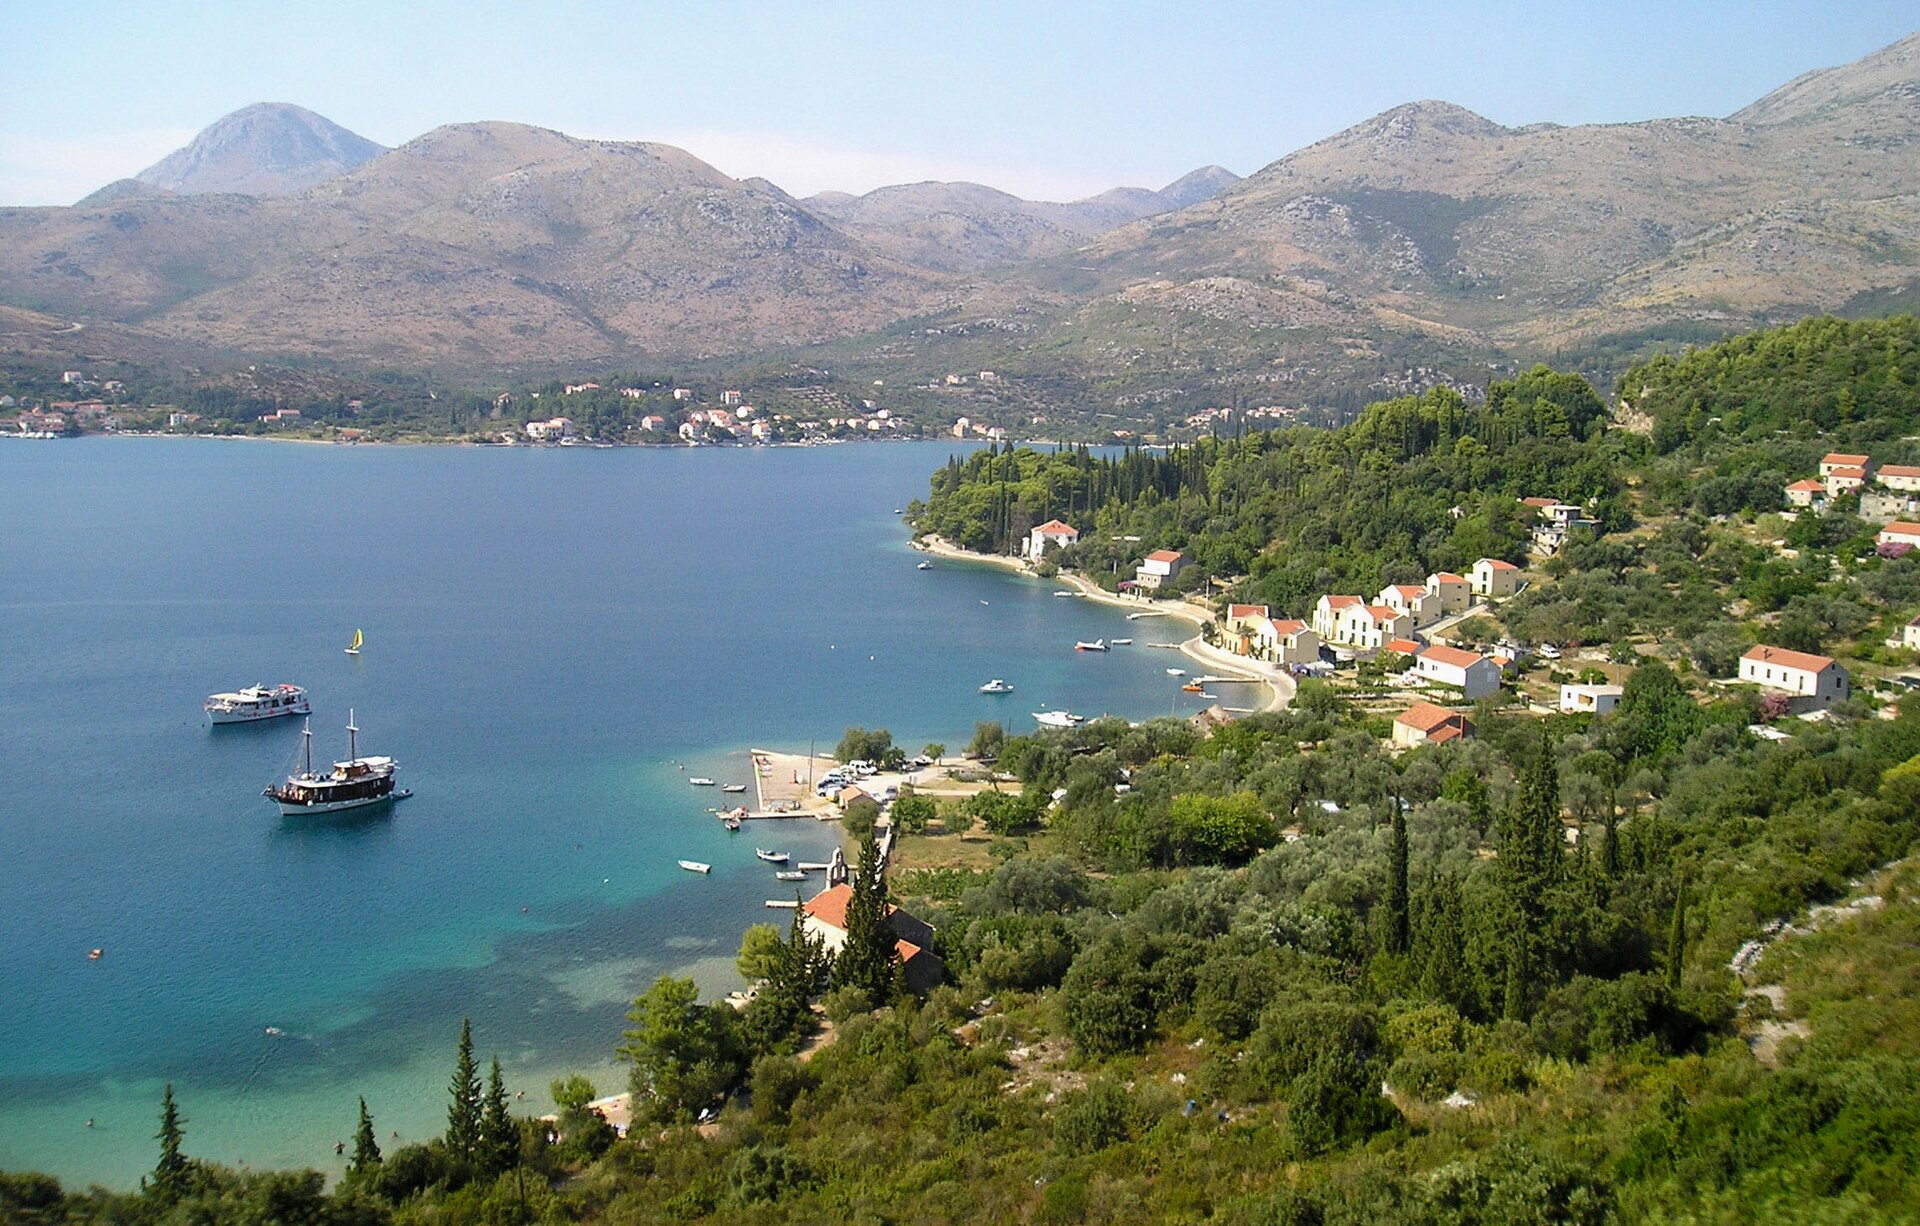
(1283, 640)
(1425, 724)
(1159, 567)
(1900, 532)
(1812, 681)
(1899, 476)
(683, 393)
(653, 421)
(550, 430)
(1806, 493)
(1367, 627)
(1469, 672)
(824, 917)
(1413, 599)
(1326, 614)
(1451, 593)
(1240, 615)
(1840, 459)
(1492, 577)
(1843, 479)
(1051, 533)
(1589, 699)
(1910, 635)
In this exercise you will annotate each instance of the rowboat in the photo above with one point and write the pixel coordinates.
(694, 866)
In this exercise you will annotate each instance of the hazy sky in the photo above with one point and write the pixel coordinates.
(1048, 99)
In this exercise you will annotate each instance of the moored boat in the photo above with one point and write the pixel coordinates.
(1095, 645)
(790, 874)
(352, 784)
(733, 787)
(1176, 672)
(1058, 719)
(701, 781)
(996, 686)
(924, 566)
(771, 857)
(1122, 642)
(256, 702)
(694, 866)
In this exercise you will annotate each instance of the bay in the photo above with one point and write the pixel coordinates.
(555, 640)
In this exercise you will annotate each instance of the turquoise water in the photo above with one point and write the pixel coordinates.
(555, 640)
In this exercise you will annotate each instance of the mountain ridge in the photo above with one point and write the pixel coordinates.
(266, 149)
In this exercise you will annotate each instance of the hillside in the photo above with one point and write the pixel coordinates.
(267, 149)
(964, 227)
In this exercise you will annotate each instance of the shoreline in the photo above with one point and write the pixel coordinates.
(1278, 685)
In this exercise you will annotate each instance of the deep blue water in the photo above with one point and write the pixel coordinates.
(552, 635)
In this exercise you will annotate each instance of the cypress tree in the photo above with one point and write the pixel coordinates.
(463, 1113)
(366, 1150)
(1399, 925)
(1610, 854)
(866, 960)
(1441, 949)
(1530, 859)
(170, 1174)
(496, 1126)
(1677, 935)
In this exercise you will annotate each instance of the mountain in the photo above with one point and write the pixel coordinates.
(267, 149)
(476, 246)
(965, 227)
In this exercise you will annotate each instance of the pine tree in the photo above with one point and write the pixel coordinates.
(1399, 921)
(463, 1114)
(366, 1150)
(170, 1175)
(866, 961)
(497, 1133)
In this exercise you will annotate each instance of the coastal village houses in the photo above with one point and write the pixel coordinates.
(1494, 578)
(1589, 699)
(1414, 600)
(920, 968)
(1327, 611)
(1450, 593)
(1811, 682)
(1251, 632)
(1910, 635)
(1425, 724)
(1807, 493)
(1051, 533)
(1367, 627)
(1159, 567)
(550, 430)
(1472, 674)
(1900, 532)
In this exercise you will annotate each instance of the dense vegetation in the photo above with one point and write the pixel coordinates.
(1272, 972)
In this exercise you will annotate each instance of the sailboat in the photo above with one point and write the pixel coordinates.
(353, 648)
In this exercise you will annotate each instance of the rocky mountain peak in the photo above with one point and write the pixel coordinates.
(267, 149)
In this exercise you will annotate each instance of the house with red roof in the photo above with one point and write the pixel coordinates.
(1425, 724)
(1811, 682)
(1900, 532)
(1471, 673)
(1806, 493)
(1051, 535)
(1159, 567)
(1327, 611)
(1413, 599)
(1841, 459)
(825, 917)
(1494, 578)
(1904, 477)
(1844, 479)
(1450, 593)
(1367, 627)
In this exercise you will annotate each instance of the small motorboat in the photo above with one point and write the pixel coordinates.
(983, 602)
(1058, 719)
(274, 1031)
(782, 904)
(996, 686)
(771, 857)
(1063, 592)
(694, 866)
(701, 781)
(731, 823)
(94, 955)
(924, 566)
(789, 874)
(1176, 672)
(1122, 642)
(1096, 645)
(1193, 687)
(733, 787)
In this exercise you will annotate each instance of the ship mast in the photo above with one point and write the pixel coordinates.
(306, 743)
(353, 753)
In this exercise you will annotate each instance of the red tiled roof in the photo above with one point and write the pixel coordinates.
(1788, 659)
(1841, 457)
(1497, 564)
(1541, 502)
(1844, 470)
(1445, 733)
(1424, 716)
(1899, 470)
(1246, 610)
(1410, 589)
(1901, 527)
(1054, 527)
(1811, 484)
(1406, 647)
(1383, 612)
(830, 906)
(1447, 576)
(1341, 602)
(1453, 656)
(1164, 555)
(1287, 626)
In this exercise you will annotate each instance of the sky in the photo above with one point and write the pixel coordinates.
(1051, 100)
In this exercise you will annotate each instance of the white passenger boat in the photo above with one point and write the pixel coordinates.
(256, 702)
(771, 857)
(352, 784)
(694, 866)
(996, 686)
(701, 781)
(1058, 719)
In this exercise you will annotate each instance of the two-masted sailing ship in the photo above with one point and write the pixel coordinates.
(352, 784)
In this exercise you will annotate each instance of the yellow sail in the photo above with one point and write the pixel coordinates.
(357, 640)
